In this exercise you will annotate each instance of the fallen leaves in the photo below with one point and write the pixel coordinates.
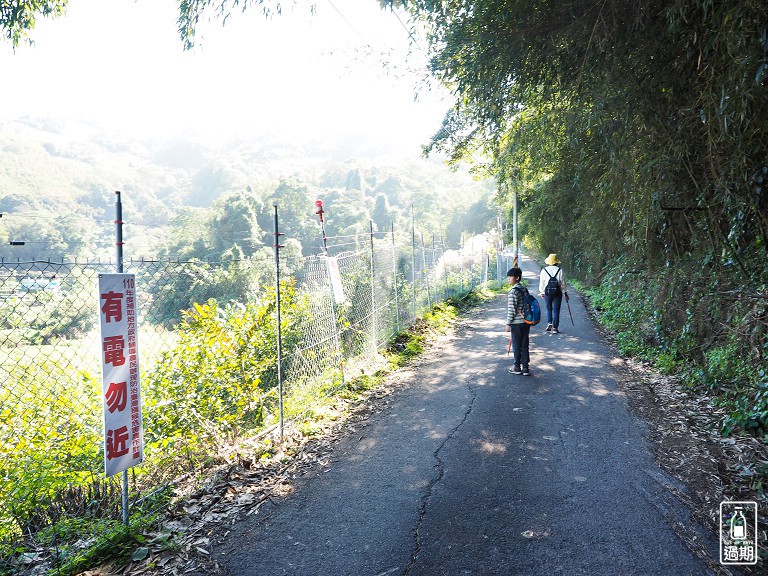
(185, 541)
(683, 430)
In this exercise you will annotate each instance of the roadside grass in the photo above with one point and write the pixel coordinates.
(402, 349)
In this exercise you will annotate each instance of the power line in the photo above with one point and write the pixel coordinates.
(350, 25)
(410, 34)
(413, 39)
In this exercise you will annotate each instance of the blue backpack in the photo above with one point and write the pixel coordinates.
(531, 311)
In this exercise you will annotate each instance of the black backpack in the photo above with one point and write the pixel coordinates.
(553, 286)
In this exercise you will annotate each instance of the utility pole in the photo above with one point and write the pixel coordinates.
(514, 225)
(499, 250)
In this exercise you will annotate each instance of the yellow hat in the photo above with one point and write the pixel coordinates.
(551, 260)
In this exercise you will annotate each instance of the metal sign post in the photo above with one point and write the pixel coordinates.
(121, 393)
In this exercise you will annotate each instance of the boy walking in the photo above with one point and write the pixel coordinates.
(518, 329)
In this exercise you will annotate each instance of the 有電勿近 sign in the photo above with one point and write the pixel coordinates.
(120, 393)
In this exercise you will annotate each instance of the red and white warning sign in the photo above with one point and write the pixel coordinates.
(121, 395)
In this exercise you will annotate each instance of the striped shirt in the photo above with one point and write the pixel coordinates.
(514, 305)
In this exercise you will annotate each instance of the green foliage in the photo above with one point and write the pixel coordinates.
(410, 343)
(236, 281)
(235, 223)
(68, 312)
(204, 233)
(740, 388)
(65, 236)
(477, 218)
(191, 232)
(352, 317)
(382, 214)
(627, 307)
(746, 410)
(47, 447)
(115, 542)
(219, 381)
(295, 203)
(16, 23)
(413, 347)
(682, 322)
(441, 315)
(190, 14)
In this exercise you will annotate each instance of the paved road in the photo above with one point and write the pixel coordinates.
(473, 471)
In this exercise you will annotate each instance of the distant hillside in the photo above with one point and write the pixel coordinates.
(58, 178)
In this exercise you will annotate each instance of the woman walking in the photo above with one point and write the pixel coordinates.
(552, 288)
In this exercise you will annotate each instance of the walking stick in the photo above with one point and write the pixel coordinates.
(509, 345)
(567, 302)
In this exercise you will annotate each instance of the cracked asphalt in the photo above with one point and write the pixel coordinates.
(469, 470)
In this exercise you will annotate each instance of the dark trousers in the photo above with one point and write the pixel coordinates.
(520, 333)
(553, 309)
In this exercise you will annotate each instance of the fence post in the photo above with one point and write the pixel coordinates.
(336, 327)
(320, 212)
(426, 272)
(277, 235)
(119, 255)
(446, 288)
(394, 278)
(438, 295)
(373, 297)
(413, 265)
(461, 274)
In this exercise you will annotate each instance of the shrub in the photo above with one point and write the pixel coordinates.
(219, 380)
(49, 442)
(684, 324)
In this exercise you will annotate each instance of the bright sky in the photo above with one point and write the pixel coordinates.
(120, 62)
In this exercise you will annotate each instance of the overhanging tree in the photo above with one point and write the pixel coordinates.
(637, 123)
(18, 18)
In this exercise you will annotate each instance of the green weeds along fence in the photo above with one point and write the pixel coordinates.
(208, 361)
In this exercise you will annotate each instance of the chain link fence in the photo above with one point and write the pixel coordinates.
(208, 354)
